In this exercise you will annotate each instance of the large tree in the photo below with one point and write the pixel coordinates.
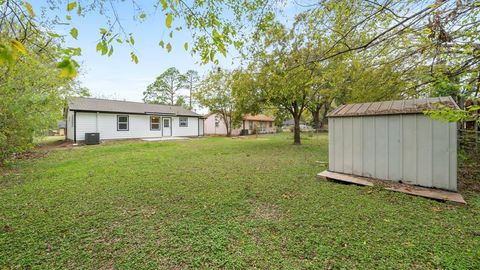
(282, 82)
(191, 80)
(165, 89)
(215, 93)
(33, 91)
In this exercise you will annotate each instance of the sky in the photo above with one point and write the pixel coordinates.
(116, 77)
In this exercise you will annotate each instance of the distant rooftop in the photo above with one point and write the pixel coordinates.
(117, 106)
(408, 106)
(258, 117)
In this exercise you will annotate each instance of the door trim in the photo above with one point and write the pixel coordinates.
(163, 126)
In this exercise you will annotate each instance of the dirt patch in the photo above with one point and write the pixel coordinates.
(267, 211)
(55, 145)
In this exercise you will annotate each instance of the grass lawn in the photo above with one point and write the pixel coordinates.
(219, 203)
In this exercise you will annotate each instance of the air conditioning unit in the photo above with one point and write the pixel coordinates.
(92, 138)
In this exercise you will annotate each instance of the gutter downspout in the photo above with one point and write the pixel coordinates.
(75, 126)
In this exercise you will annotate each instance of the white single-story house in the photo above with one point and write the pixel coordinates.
(251, 124)
(115, 119)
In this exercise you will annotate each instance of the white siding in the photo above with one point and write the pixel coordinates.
(201, 123)
(190, 130)
(413, 149)
(139, 126)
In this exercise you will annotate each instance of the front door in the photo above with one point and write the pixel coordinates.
(167, 127)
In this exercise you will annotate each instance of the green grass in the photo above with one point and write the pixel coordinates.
(219, 203)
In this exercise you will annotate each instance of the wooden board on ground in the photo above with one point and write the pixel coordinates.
(431, 193)
(394, 186)
(346, 178)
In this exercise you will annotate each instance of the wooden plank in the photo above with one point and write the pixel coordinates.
(388, 185)
(430, 193)
(345, 178)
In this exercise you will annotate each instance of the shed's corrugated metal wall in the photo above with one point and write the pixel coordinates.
(411, 148)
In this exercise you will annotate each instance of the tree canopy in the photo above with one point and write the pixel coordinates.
(165, 88)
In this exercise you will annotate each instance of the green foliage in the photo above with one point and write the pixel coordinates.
(32, 97)
(191, 81)
(216, 93)
(447, 114)
(22, 38)
(35, 80)
(29, 8)
(165, 88)
(181, 101)
(214, 26)
(71, 6)
(74, 33)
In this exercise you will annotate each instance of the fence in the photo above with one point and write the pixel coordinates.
(469, 140)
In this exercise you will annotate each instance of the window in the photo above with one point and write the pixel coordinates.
(166, 122)
(122, 122)
(154, 123)
(183, 121)
(271, 124)
(250, 124)
(217, 123)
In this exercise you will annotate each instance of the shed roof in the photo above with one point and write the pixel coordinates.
(408, 106)
(117, 106)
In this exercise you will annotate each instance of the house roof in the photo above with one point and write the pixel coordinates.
(61, 124)
(117, 106)
(258, 117)
(409, 106)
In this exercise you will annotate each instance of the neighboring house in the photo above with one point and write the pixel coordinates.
(214, 125)
(288, 125)
(115, 119)
(61, 128)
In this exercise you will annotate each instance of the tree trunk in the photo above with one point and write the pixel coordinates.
(326, 107)
(296, 129)
(227, 126)
(316, 119)
(190, 98)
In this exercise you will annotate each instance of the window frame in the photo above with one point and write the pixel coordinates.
(180, 121)
(169, 122)
(159, 123)
(118, 122)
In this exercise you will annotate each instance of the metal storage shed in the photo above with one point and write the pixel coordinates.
(394, 140)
